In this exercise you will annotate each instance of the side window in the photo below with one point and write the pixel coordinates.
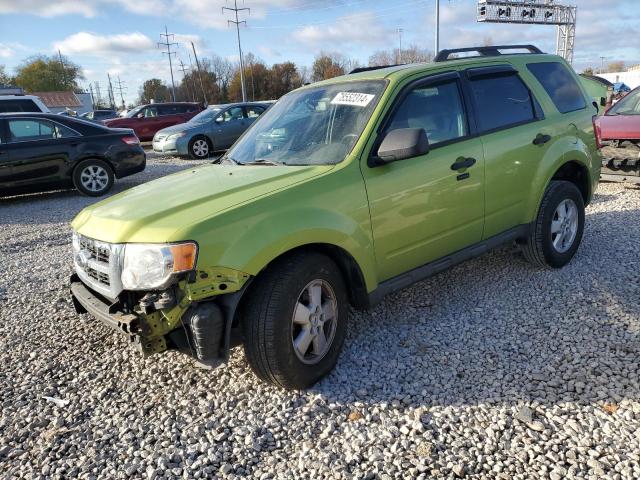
(28, 130)
(234, 113)
(436, 108)
(23, 105)
(559, 84)
(150, 112)
(502, 101)
(254, 111)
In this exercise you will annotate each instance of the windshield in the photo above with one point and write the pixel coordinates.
(206, 115)
(629, 105)
(134, 112)
(312, 126)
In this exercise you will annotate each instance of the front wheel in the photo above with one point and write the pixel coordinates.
(556, 234)
(295, 321)
(199, 148)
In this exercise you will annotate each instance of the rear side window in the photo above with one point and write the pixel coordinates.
(559, 84)
(23, 105)
(30, 130)
(502, 101)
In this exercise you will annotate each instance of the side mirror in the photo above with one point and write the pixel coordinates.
(400, 144)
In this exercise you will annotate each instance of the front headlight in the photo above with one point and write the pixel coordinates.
(151, 266)
(175, 136)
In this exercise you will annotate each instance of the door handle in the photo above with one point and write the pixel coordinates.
(541, 139)
(462, 163)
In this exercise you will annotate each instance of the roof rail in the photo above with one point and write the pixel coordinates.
(485, 51)
(377, 67)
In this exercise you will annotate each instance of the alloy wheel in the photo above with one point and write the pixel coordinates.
(314, 322)
(94, 178)
(200, 148)
(564, 225)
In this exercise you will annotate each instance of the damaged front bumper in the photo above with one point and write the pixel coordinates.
(180, 319)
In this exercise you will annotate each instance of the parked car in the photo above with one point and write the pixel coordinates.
(99, 115)
(377, 180)
(146, 120)
(40, 151)
(215, 128)
(22, 103)
(622, 121)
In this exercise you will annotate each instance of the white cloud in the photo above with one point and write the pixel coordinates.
(90, 43)
(48, 8)
(5, 51)
(359, 28)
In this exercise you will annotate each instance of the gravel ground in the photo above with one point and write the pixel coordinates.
(493, 369)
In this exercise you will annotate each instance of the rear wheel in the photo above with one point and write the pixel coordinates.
(556, 234)
(199, 148)
(295, 321)
(93, 177)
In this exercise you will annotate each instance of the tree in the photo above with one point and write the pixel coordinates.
(48, 74)
(5, 79)
(412, 54)
(283, 78)
(588, 71)
(154, 89)
(256, 80)
(328, 65)
(617, 66)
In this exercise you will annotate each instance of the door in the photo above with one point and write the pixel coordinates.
(509, 120)
(422, 208)
(39, 151)
(147, 123)
(5, 167)
(229, 126)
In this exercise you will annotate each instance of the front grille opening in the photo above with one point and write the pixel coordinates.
(101, 277)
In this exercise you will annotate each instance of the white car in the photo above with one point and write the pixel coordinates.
(22, 103)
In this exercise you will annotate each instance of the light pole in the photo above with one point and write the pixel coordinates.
(437, 27)
(400, 30)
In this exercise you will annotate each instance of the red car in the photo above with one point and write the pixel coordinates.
(146, 120)
(622, 121)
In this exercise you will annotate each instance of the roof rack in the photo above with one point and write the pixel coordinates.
(485, 51)
(377, 67)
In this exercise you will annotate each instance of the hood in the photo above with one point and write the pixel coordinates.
(155, 211)
(181, 127)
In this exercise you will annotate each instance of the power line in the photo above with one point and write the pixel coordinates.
(237, 23)
(167, 43)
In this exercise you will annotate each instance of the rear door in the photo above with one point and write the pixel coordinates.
(5, 167)
(39, 150)
(509, 119)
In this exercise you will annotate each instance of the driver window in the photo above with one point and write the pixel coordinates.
(150, 112)
(234, 113)
(436, 108)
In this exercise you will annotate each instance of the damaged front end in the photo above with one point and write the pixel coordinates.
(192, 310)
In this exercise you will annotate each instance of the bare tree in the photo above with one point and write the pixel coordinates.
(411, 54)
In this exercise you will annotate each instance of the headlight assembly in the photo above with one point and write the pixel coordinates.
(153, 266)
(175, 136)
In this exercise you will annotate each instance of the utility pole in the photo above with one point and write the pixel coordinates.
(437, 27)
(204, 95)
(112, 99)
(602, 59)
(98, 94)
(167, 43)
(184, 70)
(93, 101)
(121, 89)
(400, 30)
(237, 23)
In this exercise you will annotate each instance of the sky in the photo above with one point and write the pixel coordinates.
(120, 37)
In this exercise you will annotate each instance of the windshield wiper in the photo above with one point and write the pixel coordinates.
(264, 161)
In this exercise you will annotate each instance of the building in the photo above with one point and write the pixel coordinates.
(635, 68)
(631, 77)
(63, 101)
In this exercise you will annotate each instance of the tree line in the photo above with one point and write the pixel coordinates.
(216, 81)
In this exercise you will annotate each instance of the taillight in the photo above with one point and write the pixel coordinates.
(597, 131)
(131, 140)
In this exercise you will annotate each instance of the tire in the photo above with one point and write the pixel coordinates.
(549, 249)
(200, 148)
(93, 177)
(274, 315)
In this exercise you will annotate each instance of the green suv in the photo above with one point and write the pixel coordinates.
(342, 192)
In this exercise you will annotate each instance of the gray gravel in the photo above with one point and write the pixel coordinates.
(491, 370)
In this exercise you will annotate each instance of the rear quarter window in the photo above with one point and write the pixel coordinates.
(560, 85)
